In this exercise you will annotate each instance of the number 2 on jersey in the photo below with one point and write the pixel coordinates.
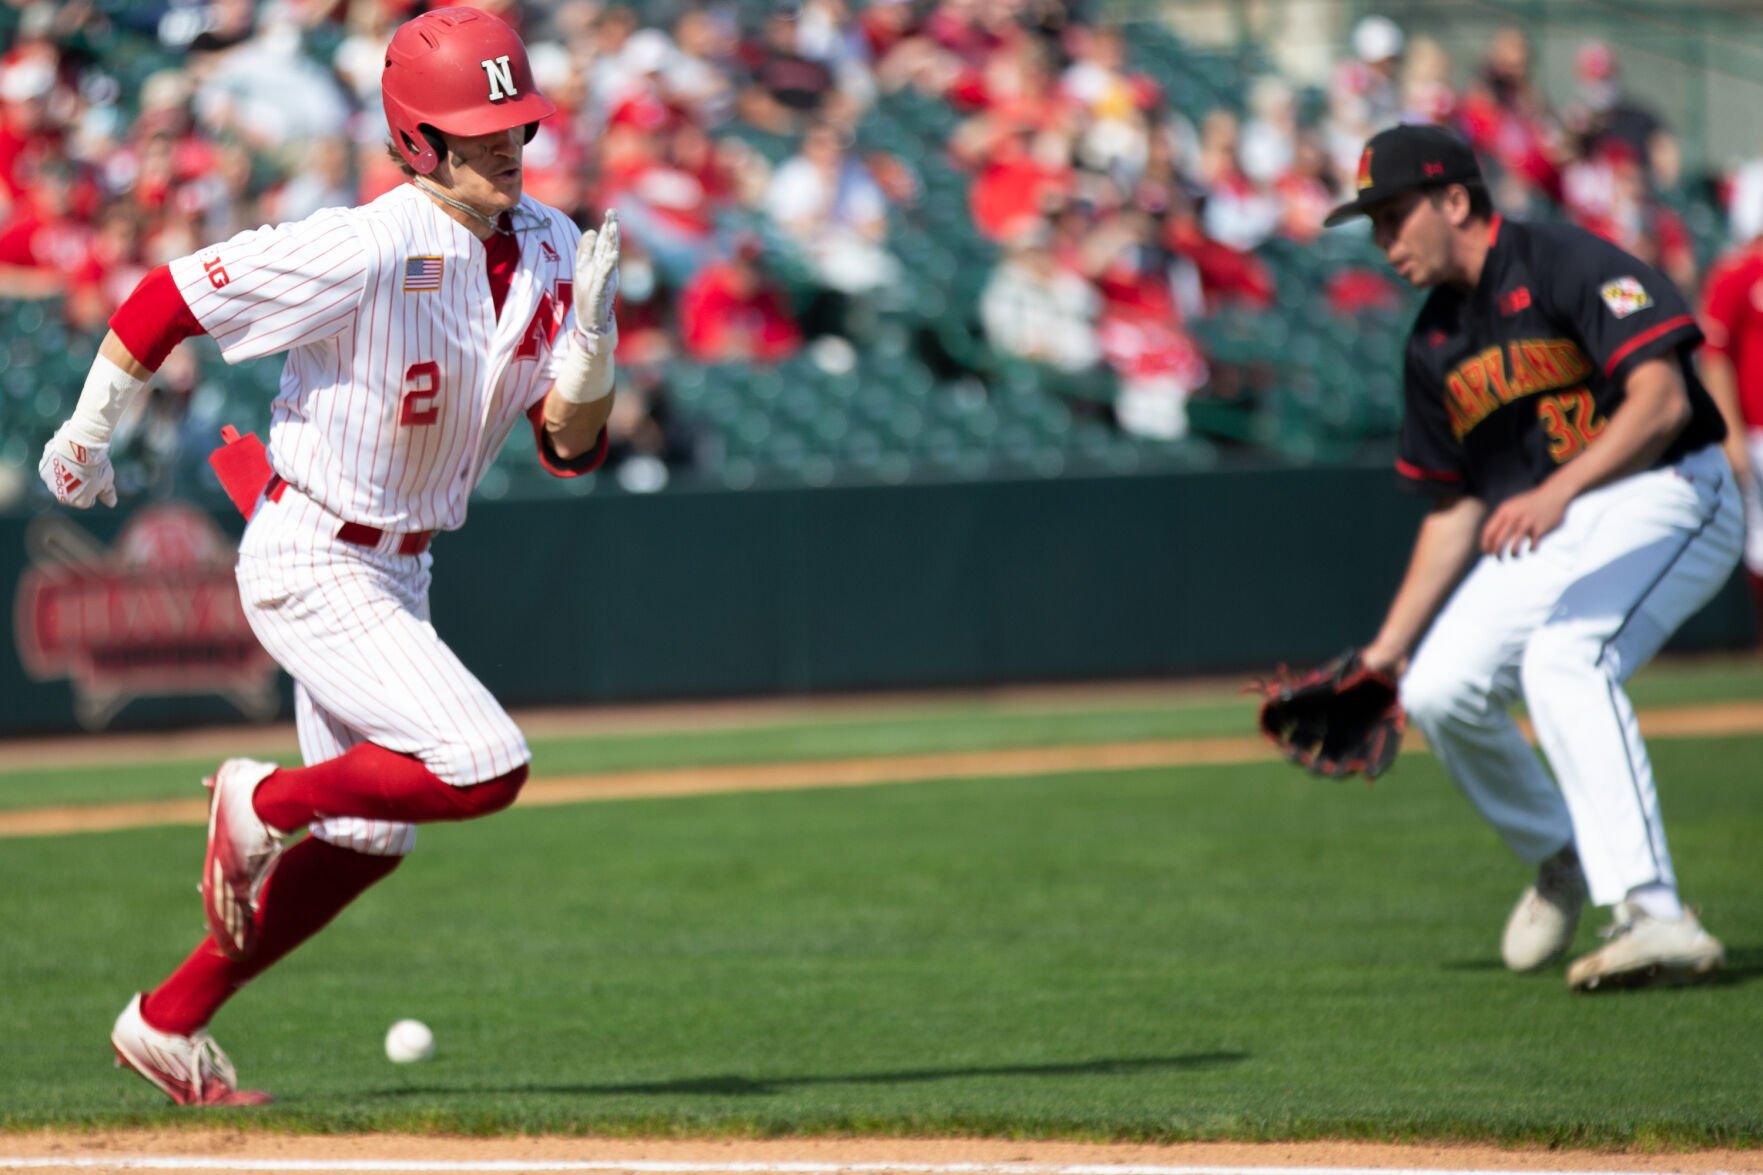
(1572, 422)
(422, 387)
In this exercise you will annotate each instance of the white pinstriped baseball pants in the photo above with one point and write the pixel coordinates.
(351, 626)
(1565, 625)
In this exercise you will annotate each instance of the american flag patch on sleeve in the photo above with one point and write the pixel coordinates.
(422, 273)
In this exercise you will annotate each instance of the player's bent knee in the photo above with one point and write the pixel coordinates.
(481, 799)
(372, 838)
(1555, 654)
(1431, 698)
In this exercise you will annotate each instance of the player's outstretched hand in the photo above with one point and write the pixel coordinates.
(1519, 523)
(596, 281)
(77, 474)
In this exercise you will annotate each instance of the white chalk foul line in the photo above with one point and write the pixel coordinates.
(666, 1167)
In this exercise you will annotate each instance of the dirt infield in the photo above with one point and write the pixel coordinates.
(1678, 722)
(231, 1151)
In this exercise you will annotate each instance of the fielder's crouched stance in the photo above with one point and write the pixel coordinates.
(420, 330)
(1583, 510)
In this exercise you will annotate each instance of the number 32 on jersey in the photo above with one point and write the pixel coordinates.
(1571, 421)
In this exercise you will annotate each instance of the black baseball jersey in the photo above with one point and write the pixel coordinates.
(1507, 382)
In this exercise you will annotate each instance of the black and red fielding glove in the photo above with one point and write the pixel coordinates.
(1336, 720)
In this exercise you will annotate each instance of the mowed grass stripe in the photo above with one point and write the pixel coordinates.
(1686, 722)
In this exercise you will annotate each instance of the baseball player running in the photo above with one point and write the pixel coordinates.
(1582, 509)
(419, 330)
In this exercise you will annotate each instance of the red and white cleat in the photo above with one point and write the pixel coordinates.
(242, 849)
(191, 1070)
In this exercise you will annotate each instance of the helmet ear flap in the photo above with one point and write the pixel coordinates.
(423, 155)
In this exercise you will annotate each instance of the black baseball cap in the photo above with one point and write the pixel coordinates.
(1404, 158)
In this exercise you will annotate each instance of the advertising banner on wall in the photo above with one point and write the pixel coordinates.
(154, 613)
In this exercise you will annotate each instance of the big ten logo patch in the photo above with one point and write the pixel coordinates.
(155, 614)
(215, 268)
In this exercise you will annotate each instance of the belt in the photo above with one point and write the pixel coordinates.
(354, 533)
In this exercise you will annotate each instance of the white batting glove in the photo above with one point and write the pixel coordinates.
(596, 285)
(77, 473)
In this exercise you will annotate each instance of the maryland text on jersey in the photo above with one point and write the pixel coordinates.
(1489, 380)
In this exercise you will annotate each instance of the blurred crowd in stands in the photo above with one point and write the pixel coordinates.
(759, 218)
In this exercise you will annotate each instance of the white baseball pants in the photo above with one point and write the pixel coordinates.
(1564, 626)
(351, 626)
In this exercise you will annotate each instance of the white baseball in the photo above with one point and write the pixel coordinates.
(409, 1040)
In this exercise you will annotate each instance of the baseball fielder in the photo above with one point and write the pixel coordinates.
(1582, 509)
(419, 330)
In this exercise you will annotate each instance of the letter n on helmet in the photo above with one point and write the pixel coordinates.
(459, 71)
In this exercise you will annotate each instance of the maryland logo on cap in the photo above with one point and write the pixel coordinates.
(1364, 180)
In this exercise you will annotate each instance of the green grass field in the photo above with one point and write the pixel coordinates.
(1207, 952)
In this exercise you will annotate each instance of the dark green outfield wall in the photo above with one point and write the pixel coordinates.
(706, 594)
(924, 585)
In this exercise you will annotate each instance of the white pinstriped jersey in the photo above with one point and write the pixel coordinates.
(401, 383)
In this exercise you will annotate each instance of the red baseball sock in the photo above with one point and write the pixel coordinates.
(368, 780)
(309, 886)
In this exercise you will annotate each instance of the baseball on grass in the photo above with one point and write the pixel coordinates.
(409, 1040)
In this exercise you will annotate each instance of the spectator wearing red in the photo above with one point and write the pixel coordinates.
(970, 31)
(1507, 120)
(45, 242)
(28, 135)
(1732, 369)
(667, 190)
(1146, 294)
(559, 161)
(164, 151)
(642, 101)
(114, 266)
(1023, 178)
(730, 312)
(1610, 195)
(1228, 277)
(1017, 89)
(1305, 191)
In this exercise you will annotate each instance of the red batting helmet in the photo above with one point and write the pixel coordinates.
(460, 71)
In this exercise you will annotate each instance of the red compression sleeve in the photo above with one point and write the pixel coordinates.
(154, 319)
(369, 781)
(311, 884)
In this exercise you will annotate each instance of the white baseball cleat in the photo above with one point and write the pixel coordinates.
(242, 849)
(1644, 950)
(1546, 917)
(191, 1070)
